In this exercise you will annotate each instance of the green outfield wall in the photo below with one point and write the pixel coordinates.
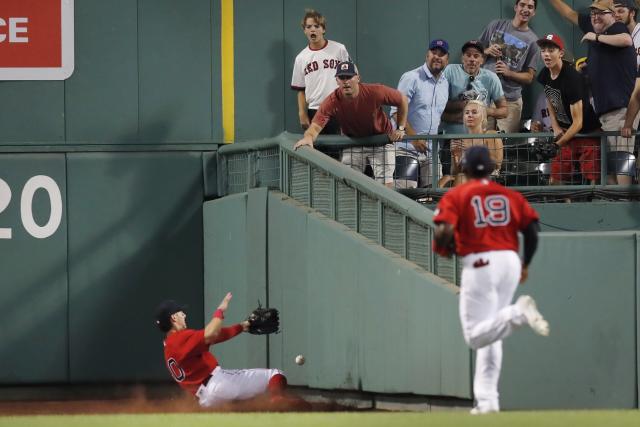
(89, 244)
(364, 318)
(369, 320)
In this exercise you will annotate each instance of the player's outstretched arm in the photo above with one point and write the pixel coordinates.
(212, 330)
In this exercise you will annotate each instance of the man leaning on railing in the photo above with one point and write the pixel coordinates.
(358, 108)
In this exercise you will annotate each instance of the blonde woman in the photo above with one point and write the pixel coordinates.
(474, 117)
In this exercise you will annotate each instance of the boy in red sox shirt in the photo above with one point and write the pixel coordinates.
(196, 370)
(479, 221)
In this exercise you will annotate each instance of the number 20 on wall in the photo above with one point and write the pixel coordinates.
(26, 206)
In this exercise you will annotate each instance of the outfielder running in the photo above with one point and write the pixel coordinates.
(479, 221)
(197, 371)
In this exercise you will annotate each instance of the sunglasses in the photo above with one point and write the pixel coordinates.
(599, 12)
(471, 80)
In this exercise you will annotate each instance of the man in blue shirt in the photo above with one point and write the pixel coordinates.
(427, 91)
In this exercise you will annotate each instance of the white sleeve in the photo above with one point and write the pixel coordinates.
(297, 78)
(344, 55)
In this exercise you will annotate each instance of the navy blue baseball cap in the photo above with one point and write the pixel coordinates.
(164, 312)
(439, 44)
(477, 161)
(346, 68)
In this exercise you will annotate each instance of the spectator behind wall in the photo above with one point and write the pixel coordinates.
(475, 120)
(612, 71)
(570, 112)
(427, 91)
(358, 108)
(512, 54)
(627, 13)
(468, 81)
(314, 70)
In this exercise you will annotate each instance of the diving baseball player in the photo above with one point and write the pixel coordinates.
(480, 221)
(197, 371)
(314, 69)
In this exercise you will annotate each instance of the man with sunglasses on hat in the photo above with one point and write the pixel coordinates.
(469, 81)
(358, 108)
(612, 70)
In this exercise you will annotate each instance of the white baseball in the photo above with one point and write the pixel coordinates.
(299, 359)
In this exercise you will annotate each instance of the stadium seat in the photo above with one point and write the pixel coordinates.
(407, 168)
(621, 163)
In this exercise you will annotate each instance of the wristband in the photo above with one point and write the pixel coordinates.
(219, 314)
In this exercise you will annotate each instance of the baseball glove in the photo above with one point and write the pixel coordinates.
(264, 321)
(546, 149)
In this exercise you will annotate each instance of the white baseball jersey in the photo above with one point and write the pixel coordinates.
(314, 71)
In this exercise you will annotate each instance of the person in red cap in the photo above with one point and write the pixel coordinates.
(570, 112)
(612, 72)
(480, 221)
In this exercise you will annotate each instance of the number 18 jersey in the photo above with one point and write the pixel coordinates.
(486, 216)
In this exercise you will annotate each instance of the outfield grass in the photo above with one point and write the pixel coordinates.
(336, 419)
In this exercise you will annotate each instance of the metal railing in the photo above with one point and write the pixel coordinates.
(381, 214)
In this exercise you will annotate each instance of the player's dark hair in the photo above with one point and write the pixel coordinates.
(535, 3)
(317, 16)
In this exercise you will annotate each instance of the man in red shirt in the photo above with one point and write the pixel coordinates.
(480, 221)
(196, 370)
(358, 108)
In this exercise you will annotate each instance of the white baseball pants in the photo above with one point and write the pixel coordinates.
(234, 384)
(489, 281)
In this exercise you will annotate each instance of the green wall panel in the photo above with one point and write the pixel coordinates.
(392, 42)
(592, 216)
(33, 295)
(339, 17)
(32, 112)
(135, 240)
(216, 71)
(351, 307)
(175, 70)
(101, 97)
(588, 294)
(228, 268)
(259, 69)
(289, 291)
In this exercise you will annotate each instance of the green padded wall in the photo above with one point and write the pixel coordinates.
(175, 70)
(349, 322)
(28, 103)
(134, 240)
(230, 266)
(585, 285)
(33, 290)
(259, 69)
(101, 97)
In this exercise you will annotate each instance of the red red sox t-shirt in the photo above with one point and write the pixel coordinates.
(486, 216)
(363, 115)
(188, 358)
